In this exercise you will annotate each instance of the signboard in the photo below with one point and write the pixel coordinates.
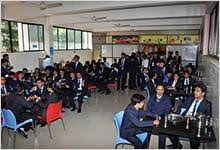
(183, 39)
(153, 39)
(125, 39)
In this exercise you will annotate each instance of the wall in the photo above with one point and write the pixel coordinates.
(209, 68)
(30, 60)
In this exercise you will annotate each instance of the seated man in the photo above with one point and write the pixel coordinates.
(144, 78)
(159, 105)
(131, 121)
(192, 106)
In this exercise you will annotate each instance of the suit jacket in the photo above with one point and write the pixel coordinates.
(17, 104)
(125, 67)
(204, 107)
(73, 66)
(44, 94)
(178, 85)
(177, 59)
(191, 82)
(4, 71)
(144, 80)
(84, 88)
(151, 88)
(131, 121)
(106, 72)
(161, 108)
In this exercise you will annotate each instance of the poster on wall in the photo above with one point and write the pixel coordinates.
(183, 39)
(187, 52)
(125, 39)
(147, 48)
(153, 39)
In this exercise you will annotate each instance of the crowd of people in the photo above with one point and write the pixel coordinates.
(69, 82)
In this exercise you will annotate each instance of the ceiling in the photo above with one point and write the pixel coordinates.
(105, 16)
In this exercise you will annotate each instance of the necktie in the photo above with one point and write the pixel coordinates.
(194, 109)
(4, 89)
(76, 65)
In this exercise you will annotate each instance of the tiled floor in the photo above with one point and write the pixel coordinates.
(93, 128)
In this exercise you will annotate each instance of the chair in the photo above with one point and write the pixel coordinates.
(118, 120)
(91, 87)
(53, 113)
(112, 85)
(11, 123)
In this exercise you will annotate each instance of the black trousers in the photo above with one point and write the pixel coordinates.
(137, 142)
(123, 79)
(132, 80)
(194, 144)
(161, 141)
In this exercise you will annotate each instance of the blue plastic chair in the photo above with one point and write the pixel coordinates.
(118, 120)
(11, 123)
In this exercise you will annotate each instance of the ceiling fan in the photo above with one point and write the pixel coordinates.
(94, 18)
(44, 6)
(122, 25)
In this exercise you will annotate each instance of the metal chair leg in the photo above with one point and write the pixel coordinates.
(9, 138)
(49, 130)
(63, 124)
(14, 140)
(116, 146)
(122, 145)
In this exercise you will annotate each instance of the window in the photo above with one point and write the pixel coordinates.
(19, 37)
(6, 46)
(62, 38)
(55, 38)
(90, 40)
(84, 40)
(78, 39)
(71, 39)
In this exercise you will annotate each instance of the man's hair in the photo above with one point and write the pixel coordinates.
(137, 98)
(40, 79)
(201, 85)
(4, 61)
(161, 84)
(47, 56)
(5, 55)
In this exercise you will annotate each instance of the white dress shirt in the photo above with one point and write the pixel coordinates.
(47, 62)
(190, 111)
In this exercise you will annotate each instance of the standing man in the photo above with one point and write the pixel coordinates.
(47, 63)
(123, 70)
(75, 65)
(160, 104)
(131, 122)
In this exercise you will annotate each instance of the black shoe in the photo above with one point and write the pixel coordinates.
(107, 92)
(79, 110)
(171, 146)
(22, 133)
(43, 124)
(73, 109)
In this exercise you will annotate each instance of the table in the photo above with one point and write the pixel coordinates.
(180, 130)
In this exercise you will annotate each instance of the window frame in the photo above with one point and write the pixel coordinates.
(28, 24)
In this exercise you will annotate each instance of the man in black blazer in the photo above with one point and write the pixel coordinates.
(144, 78)
(123, 70)
(4, 68)
(187, 82)
(177, 58)
(76, 65)
(159, 105)
(5, 91)
(131, 123)
(190, 108)
(151, 83)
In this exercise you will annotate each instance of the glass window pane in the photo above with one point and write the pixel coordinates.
(14, 36)
(78, 41)
(62, 38)
(55, 38)
(20, 37)
(71, 39)
(90, 40)
(41, 38)
(5, 37)
(84, 40)
(25, 36)
(33, 37)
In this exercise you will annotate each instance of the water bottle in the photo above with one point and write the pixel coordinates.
(199, 128)
(187, 123)
(211, 122)
(190, 89)
(165, 123)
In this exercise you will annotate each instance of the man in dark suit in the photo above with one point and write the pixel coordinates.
(76, 65)
(81, 89)
(131, 122)
(190, 108)
(151, 83)
(132, 70)
(144, 78)
(187, 82)
(4, 67)
(5, 90)
(160, 104)
(123, 70)
(103, 77)
(177, 58)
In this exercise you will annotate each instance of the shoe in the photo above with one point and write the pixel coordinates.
(43, 124)
(171, 146)
(79, 110)
(22, 133)
(73, 109)
(63, 110)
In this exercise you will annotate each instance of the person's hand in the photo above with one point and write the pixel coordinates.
(67, 86)
(156, 122)
(77, 94)
(189, 116)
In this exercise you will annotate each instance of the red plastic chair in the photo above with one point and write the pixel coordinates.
(91, 87)
(112, 85)
(53, 113)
